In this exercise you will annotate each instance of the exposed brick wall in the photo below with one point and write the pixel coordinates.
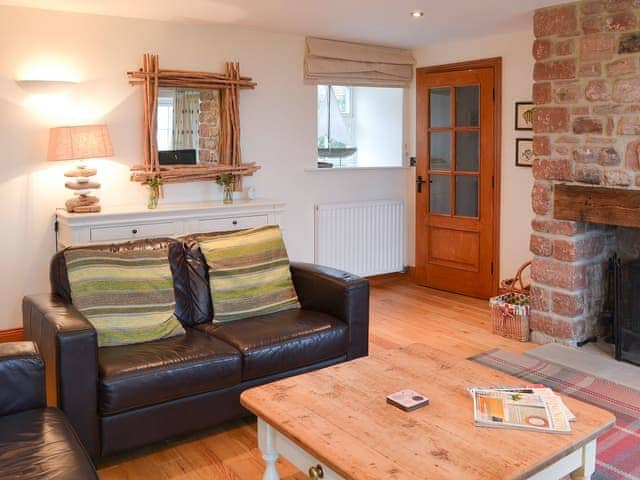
(586, 122)
(209, 133)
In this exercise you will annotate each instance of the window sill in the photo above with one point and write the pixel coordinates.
(352, 169)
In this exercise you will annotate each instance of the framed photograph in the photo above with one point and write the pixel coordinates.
(524, 116)
(524, 152)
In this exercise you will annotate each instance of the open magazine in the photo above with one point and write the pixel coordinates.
(523, 407)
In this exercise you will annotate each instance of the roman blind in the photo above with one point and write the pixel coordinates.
(344, 63)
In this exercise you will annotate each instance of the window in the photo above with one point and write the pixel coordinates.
(359, 126)
(165, 123)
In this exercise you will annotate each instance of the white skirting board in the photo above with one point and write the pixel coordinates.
(364, 238)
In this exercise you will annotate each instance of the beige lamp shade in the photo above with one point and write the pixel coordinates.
(83, 141)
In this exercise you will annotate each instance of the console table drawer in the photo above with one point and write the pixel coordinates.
(125, 223)
(131, 232)
(232, 223)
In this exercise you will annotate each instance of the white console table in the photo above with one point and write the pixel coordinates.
(117, 224)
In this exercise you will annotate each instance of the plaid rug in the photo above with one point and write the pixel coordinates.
(618, 452)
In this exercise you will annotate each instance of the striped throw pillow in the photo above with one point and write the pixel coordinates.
(127, 296)
(249, 274)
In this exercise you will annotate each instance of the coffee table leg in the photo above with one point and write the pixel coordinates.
(588, 462)
(266, 443)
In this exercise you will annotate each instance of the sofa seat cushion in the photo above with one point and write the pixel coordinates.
(282, 341)
(39, 445)
(139, 375)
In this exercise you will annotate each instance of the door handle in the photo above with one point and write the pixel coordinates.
(419, 182)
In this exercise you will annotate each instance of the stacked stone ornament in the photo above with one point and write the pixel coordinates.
(83, 202)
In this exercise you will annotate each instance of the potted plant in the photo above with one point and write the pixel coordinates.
(154, 182)
(226, 181)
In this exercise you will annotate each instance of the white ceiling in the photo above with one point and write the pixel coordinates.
(377, 21)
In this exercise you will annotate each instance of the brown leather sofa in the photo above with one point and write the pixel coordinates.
(120, 398)
(35, 442)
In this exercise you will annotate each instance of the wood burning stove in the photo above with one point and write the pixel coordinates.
(626, 309)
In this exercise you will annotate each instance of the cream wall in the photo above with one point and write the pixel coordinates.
(278, 127)
(517, 68)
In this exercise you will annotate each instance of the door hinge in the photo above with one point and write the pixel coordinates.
(491, 268)
(493, 182)
(494, 94)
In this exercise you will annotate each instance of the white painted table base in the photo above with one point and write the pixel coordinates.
(579, 464)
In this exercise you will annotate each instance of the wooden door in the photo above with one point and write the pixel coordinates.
(456, 206)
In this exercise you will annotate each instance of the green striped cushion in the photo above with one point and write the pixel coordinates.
(249, 274)
(127, 296)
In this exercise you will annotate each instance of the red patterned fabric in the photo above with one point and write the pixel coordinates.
(618, 452)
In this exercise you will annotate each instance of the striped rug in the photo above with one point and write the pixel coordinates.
(618, 453)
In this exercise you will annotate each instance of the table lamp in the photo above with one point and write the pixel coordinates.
(75, 143)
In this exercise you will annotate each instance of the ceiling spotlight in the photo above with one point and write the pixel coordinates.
(417, 14)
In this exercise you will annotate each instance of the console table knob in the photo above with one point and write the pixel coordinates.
(316, 472)
(134, 231)
(235, 222)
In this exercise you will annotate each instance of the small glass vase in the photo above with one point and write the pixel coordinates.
(228, 194)
(154, 195)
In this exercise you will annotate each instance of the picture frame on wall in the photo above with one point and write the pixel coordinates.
(524, 152)
(524, 115)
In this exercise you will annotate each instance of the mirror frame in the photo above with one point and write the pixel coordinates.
(229, 83)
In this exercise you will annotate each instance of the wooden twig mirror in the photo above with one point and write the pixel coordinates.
(194, 118)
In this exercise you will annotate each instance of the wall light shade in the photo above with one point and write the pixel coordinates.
(78, 142)
(43, 87)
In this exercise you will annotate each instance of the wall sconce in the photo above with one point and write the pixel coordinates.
(49, 99)
(44, 87)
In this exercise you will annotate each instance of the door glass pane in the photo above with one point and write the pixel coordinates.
(440, 106)
(440, 150)
(440, 194)
(467, 151)
(467, 196)
(467, 106)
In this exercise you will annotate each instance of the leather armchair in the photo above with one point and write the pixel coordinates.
(35, 442)
(21, 378)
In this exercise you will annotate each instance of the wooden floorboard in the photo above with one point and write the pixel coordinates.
(401, 313)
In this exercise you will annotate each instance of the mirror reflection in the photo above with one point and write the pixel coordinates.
(188, 128)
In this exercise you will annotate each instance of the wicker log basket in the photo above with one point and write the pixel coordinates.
(510, 311)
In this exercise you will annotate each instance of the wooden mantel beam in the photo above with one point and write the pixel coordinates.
(610, 206)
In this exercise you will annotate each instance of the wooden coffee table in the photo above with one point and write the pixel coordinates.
(335, 424)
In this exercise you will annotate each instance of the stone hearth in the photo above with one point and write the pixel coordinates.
(586, 132)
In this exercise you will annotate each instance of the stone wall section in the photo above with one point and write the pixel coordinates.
(209, 130)
(586, 131)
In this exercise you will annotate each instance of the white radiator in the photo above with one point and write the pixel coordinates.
(365, 238)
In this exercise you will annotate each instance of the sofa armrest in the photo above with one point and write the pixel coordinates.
(69, 346)
(336, 293)
(21, 377)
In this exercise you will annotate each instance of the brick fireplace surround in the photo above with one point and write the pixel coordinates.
(586, 132)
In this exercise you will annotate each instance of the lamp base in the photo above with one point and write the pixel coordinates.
(87, 209)
(83, 204)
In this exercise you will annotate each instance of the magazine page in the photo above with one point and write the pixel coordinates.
(554, 400)
(501, 409)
